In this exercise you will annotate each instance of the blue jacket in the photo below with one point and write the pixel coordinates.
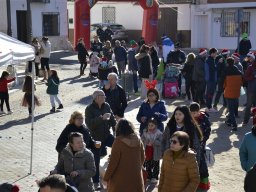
(120, 54)
(247, 151)
(147, 111)
(210, 69)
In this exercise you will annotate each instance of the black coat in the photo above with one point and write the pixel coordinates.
(82, 52)
(244, 46)
(144, 63)
(249, 181)
(177, 57)
(63, 138)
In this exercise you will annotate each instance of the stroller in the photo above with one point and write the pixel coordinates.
(170, 81)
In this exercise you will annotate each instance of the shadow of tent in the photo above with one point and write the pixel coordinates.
(59, 57)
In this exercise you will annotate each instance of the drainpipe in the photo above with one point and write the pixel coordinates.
(9, 21)
(29, 23)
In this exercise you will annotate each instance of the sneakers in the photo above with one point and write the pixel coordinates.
(154, 181)
(97, 186)
(245, 123)
(2, 112)
(52, 110)
(10, 112)
(228, 124)
(60, 106)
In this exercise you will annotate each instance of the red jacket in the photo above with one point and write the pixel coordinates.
(3, 84)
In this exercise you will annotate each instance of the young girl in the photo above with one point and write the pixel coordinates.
(4, 95)
(182, 120)
(53, 83)
(152, 138)
(27, 99)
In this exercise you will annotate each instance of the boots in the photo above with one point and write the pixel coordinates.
(60, 106)
(81, 72)
(52, 110)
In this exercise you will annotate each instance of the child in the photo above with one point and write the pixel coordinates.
(94, 64)
(202, 120)
(4, 95)
(104, 69)
(27, 99)
(53, 83)
(152, 138)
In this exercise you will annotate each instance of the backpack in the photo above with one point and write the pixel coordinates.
(209, 157)
(171, 73)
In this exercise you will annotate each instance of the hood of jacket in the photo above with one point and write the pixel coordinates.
(132, 140)
(140, 55)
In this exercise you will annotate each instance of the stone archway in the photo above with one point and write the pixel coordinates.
(82, 19)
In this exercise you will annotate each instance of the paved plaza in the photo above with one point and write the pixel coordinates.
(75, 92)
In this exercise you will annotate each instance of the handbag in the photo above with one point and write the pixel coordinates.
(149, 152)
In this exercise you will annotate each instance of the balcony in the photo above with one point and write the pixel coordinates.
(178, 1)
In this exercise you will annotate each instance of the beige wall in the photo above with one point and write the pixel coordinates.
(3, 16)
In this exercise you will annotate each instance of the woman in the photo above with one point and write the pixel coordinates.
(179, 171)
(77, 163)
(37, 47)
(155, 60)
(126, 160)
(107, 51)
(76, 124)
(82, 53)
(152, 107)
(145, 68)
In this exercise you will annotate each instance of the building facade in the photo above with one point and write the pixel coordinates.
(3, 16)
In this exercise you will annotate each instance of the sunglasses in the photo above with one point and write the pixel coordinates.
(173, 141)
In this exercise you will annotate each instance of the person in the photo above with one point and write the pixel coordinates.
(94, 64)
(76, 162)
(179, 171)
(36, 61)
(154, 59)
(108, 34)
(233, 81)
(124, 171)
(152, 107)
(250, 77)
(167, 46)
(221, 67)
(103, 70)
(123, 44)
(7, 187)
(115, 96)
(182, 120)
(100, 34)
(133, 64)
(249, 181)
(96, 45)
(210, 69)
(99, 118)
(238, 64)
(198, 77)
(82, 54)
(202, 119)
(27, 98)
(107, 50)
(75, 125)
(54, 183)
(45, 53)
(187, 72)
(244, 46)
(53, 84)
(120, 56)
(152, 139)
(4, 95)
(145, 68)
(247, 149)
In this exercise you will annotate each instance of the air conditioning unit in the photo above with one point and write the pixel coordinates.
(40, 1)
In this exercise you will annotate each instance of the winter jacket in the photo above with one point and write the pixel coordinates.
(210, 70)
(145, 65)
(82, 162)
(103, 72)
(247, 151)
(205, 125)
(232, 82)
(244, 46)
(155, 62)
(4, 84)
(132, 62)
(46, 47)
(63, 138)
(221, 66)
(116, 98)
(82, 52)
(176, 56)
(53, 86)
(198, 70)
(98, 127)
(187, 71)
(156, 139)
(249, 181)
(124, 169)
(120, 54)
(250, 77)
(179, 175)
(147, 111)
(96, 46)
(107, 52)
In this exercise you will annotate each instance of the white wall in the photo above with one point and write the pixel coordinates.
(3, 16)
(71, 13)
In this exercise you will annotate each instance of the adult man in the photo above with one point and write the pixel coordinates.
(115, 96)
(198, 76)
(96, 45)
(100, 33)
(210, 69)
(99, 118)
(244, 46)
(45, 54)
(236, 57)
(120, 56)
(108, 34)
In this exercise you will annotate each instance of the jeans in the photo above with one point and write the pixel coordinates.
(251, 98)
(4, 96)
(121, 67)
(210, 89)
(135, 81)
(232, 108)
(152, 168)
(53, 98)
(108, 142)
(190, 89)
(199, 92)
(218, 95)
(36, 67)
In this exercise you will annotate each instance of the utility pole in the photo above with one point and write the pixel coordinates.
(29, 23)
(9, 20)
(239, 18)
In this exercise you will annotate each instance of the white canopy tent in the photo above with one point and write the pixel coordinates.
(13, 51)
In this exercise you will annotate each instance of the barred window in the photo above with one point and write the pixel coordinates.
(108, 14)
(51, 24)
(229, 24)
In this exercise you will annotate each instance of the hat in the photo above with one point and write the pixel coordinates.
(225, 52)
(254, 116)
(235, 55)
(251, 54)
(177, 45)
(202, 51)
(244, 36)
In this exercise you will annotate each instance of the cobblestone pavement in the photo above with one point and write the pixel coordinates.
(15, 132)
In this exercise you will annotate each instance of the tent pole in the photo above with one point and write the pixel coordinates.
(32, 117)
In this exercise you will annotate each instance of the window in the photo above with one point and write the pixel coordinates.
(70, 20)
(229, 24)
(51, 24)
(108, 14)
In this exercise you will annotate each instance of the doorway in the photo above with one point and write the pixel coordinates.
(21, 25)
